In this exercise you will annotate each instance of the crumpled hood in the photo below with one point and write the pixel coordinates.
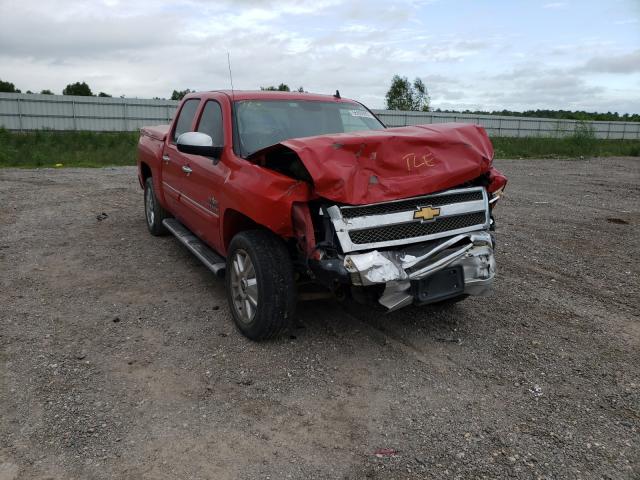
(376, 166)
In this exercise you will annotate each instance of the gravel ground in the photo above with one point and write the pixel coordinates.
(119, 358)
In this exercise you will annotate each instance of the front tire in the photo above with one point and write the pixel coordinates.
(260, 284)
(153, 211)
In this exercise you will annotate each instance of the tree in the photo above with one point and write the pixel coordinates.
(403, 95)
(78, 88)
(106, 95)
(283, 87)
(8, 87)
(179, 94)
(46, 92)
(420, 96)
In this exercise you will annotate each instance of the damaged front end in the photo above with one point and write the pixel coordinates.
(420, 250)
(462, 265)
(398, 216)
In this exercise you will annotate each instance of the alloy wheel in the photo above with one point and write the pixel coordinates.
(244, 286)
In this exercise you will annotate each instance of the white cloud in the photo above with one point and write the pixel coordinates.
(148, 48)
(619, 64)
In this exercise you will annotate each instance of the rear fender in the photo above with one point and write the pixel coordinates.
(150, 164)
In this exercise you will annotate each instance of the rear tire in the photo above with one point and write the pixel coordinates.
(153, 211)
(260, 284)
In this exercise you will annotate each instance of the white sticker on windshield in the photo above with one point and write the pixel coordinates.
(360, 113)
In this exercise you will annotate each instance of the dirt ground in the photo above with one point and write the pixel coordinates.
(119, 358)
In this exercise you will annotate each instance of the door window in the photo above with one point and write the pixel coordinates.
(185, 119)
(211, 122)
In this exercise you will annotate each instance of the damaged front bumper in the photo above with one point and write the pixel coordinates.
(460, 265)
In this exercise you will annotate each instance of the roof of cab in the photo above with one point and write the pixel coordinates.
(272, 95)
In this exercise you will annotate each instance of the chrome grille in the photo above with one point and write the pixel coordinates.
(411, 204)
(415, 229)
(394, 223)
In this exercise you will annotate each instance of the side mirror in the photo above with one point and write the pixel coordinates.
(197, 143)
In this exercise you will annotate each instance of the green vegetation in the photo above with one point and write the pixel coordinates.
(556, 114)
(404, 95)
(582, 143)
(8, 87)
(92, 149)
(78, 88)
(71, 149)
(179, 94)
(569, 147)
(283, 87)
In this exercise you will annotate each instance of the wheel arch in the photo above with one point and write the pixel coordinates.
(234, 222)
(144, 172)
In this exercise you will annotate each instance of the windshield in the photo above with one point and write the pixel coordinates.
(263, 123)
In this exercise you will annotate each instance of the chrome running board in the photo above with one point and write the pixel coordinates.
(211, 259)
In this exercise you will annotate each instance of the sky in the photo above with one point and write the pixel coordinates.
(471, 54)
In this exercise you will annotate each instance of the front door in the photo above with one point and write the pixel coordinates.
(205, 178)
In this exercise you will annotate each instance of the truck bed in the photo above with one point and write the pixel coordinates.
(157, 132)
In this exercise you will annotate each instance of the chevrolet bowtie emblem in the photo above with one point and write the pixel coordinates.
(426, 213)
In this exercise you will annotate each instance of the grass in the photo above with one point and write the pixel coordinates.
(569, 147)
(92, 149)
(70, 149)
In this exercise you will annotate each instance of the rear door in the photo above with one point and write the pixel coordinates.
(173, 161)
(206, 179)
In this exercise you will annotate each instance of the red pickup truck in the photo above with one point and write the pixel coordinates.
(277, 191)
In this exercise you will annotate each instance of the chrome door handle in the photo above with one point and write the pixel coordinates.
(166, 158)
(186, 169)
